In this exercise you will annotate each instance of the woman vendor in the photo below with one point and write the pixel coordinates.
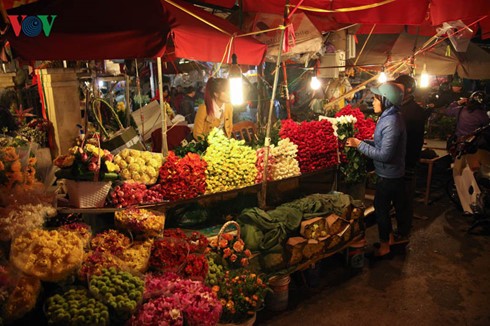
(216, 110)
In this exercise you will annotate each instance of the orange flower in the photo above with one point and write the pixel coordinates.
(223, 243)
(2, 167)
(213, 243)
(17, 176)
(227, 236)
(10, 154)
(32, 160)
(248, 253)
(233, 258)
(230, 305)
(16, 166)
(215, 289)
(244, 262)
(238, 246)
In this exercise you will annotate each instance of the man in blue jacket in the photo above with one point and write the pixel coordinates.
(388, 153)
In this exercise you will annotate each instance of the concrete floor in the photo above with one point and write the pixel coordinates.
(443, 278)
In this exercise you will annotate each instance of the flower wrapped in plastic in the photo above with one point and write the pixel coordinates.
(175, 300)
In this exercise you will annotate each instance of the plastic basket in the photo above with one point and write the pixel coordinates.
(87, 194)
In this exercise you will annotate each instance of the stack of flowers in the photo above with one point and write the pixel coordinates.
(87, 163)
(173, 300)
(169, 254)
(364, 126)
(286, 163)
(132, 193)
(15, 220)
(139, 166)
(12, 173)
(81, 229)
(352, 123)
(271, 163)
(317, 145)
(231, 164)
(177, 252)
(182, 177)
(241, 293)
(141, 221)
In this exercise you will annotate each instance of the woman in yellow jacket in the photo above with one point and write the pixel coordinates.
(216, 110)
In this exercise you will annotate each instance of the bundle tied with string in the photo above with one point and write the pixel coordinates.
(123, 138)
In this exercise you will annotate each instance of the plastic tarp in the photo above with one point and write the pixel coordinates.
(109, 29)
(307, 37)
(472, 64)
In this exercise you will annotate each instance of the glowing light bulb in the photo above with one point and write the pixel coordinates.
(424, 78)
(236, 84)
(382, 78)
(315, 83)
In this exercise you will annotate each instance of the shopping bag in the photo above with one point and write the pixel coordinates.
(123, 138)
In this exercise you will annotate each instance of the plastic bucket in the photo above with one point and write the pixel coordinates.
(278, 299)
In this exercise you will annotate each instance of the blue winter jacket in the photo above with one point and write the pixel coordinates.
(388, 152)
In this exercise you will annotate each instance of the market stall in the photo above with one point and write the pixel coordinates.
(141, 269)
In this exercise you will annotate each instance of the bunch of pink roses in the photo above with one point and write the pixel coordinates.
(173, 300)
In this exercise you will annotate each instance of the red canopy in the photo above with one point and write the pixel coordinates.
(398, 12)
(109, 29)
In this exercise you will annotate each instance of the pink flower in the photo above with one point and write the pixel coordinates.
(92, 167)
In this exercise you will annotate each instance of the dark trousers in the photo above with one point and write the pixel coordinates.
(390, 192)
(410, 187)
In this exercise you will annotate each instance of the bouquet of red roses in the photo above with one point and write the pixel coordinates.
(317, 145)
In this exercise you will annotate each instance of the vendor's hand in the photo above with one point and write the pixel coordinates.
(462, 100)
(352, 142)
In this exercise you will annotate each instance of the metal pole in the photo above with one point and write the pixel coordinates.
(285, 76)
(263, 191)
(162, 108)
(128, 105)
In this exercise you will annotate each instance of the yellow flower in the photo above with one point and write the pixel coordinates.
(73, 150)
(111, 167)
(120, 106)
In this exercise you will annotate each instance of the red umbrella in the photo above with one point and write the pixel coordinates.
(92, 29)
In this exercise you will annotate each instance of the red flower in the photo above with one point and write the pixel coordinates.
(227, 253)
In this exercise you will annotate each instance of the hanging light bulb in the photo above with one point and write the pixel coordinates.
(235, 78)
(424, 78)
(382, 78)
(315, 83)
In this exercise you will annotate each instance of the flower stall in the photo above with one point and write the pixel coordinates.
(139, 268)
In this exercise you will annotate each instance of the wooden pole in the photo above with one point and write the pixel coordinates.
(263, 191)
(285, 76)
(162, 109)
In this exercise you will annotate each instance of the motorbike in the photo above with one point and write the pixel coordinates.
(478, 140)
